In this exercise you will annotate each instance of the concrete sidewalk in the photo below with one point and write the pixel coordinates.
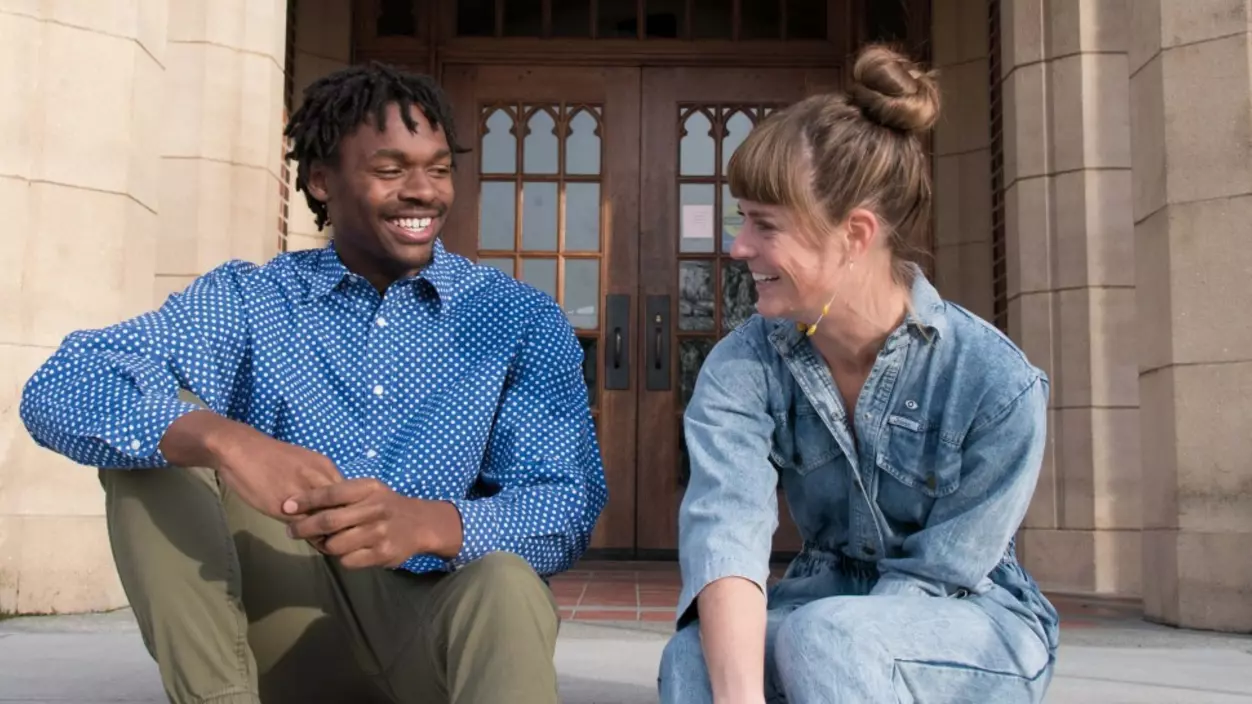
(100, 658)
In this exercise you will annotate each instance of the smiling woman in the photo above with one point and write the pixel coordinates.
(906, 433)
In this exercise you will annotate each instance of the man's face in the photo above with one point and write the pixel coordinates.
(388, 196)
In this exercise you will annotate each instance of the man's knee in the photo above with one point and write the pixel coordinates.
(501, 574)
(505, 584)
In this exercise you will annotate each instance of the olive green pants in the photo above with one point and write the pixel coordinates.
(233, 610)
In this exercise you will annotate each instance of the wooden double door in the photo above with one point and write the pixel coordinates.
(605, 187)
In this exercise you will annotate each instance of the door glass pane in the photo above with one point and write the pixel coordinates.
(499, 150)
(696, 150)
(738, 294)
(760, 19)
(497, 215)
(664, 18)
(589, 367)
(582, 146)
(696, 217)
(571, 18)
(711, 19)
(396, 19)
(695, 295)
(732, 221)
(582, 293)
(886, 21)
(738, 125)
(505, 265)
(582, 217)
(476, 18)
(618, 19)
(523, 18)
(806, 19)
(539, 216)
(540, 273)
(691, 354)
(539, 150)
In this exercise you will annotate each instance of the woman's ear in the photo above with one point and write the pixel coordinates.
(863, 228)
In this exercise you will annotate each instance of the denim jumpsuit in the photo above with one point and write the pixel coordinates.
(907, 587)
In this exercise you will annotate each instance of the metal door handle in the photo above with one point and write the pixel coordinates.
(658, 322)
(656, 337)
(617, 355)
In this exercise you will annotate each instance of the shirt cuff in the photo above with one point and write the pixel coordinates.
(422, 564)
(140, 435)
(703, 573)
(479, 531)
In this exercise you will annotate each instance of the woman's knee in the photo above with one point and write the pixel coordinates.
(827, 630)
(683, 675)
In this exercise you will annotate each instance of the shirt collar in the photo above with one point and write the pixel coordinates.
(927, 305)
(926, 313)
(326, 271)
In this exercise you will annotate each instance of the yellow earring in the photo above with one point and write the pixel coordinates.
(808, 329)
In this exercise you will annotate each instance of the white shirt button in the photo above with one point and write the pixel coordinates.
(135, 444)
(378, 390)
(371, 453)
(380, 321)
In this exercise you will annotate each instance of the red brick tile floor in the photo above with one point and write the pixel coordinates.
(648, 592)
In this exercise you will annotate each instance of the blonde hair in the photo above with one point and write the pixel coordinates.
(831, 153)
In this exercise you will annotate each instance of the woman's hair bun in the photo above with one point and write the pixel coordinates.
(893, 91)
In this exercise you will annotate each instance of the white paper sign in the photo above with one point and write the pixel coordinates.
(697, 222)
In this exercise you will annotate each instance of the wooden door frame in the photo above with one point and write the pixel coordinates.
(469, 87)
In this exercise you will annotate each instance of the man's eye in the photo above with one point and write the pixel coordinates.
(389, 173)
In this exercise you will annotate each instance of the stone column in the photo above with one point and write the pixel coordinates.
(1069, 237)
(1191, 127)
(80, 182)
(323, 45)
(221, 137)
(962, 153)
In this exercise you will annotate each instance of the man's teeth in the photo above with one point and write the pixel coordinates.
(414, 224)
(763, 277)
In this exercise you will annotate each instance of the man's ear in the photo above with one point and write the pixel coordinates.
(318, 174)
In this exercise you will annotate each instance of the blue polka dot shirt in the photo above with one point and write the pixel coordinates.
(460, 384)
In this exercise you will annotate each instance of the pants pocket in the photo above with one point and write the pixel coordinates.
(947, 683)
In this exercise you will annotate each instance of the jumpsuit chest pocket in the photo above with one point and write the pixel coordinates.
(804, 444)
(919, 457)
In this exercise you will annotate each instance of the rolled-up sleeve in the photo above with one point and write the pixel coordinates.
(968, 532)
(730, 510)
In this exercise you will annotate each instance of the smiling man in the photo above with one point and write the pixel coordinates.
(342, 475)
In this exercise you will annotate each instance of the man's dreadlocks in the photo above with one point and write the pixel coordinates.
(335, 105)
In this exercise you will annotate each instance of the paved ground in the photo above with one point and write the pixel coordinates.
(99, 658)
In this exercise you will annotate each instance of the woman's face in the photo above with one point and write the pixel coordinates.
(796, 272)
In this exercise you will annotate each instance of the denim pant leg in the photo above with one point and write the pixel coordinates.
(910, 650)
(684, 675)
